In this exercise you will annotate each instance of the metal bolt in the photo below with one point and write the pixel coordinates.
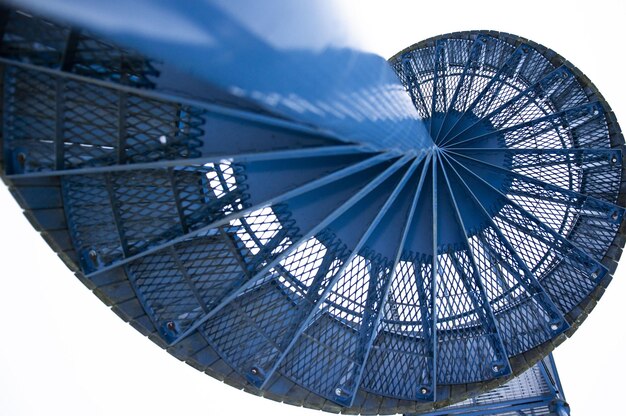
(163, 139)
(424, 390)
(93, 255)
(614, 215)
(254, 371)
(170, 325)
(21, 158)
(495, 368)
(594, 274)
(554, 327)
(614, 159)
(338, 391)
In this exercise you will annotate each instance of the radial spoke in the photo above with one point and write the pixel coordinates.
(518, 102)
(548, 189)
(595, 267)
(241, 158)
(439, 57)
(473, 283)
(471, 62)
(413, 85)
(567, 272)
(315, 184)
(375, 304)
(572, 118)
(539, 151)
(309, 314)
(546, 157)
(562, 165)
(370, 322)
(517, 54)
(428, 380)
(317, 228)
(527, 279)
(242, 115)
(432, 325)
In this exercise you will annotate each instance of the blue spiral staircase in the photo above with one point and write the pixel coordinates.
(345, 246)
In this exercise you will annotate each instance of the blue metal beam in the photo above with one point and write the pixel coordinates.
(230, 112)
(439, 51)
(429, 317)
(413, 85)
(501, 365)
(555, 76)
(512, 60)
(238, 157)
(580, 199)
(596, 269)
(369, 324)
(569, 116)
(434, 276)
(474, 51)
(346, 397)
(533, 287)
(315, 184)
(319, 227)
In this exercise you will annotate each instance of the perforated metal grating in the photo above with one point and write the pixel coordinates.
(310, 270)
(535, 392)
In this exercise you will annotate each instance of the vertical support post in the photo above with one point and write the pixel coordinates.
(121, 127)
(3, 119)
(69, 53)
(59, 141)
(5, 14)
(439, 51)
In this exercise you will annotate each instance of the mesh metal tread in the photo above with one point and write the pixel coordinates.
(537, 391)
(225, 263)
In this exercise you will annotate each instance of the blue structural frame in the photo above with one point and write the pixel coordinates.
(536, 392)
(293, 248)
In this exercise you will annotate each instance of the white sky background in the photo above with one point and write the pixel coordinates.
(62, 352)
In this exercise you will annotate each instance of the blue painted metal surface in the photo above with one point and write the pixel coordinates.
(332, 89)
(537, 391)
(383, 261)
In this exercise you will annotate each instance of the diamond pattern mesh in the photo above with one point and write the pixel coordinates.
(38, 41)
(125, 213)
(401, 361)
(57, 123)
